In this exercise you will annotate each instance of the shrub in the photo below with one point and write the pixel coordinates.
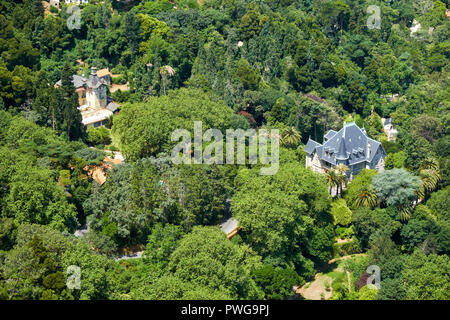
(340, 212)
(362, 281)
(102, 242)
(91, 156)
(345, 233)
(121, 96)
(99, 136)
(117, 80)
(346, 248)
(276, 282)
(367, 293)
(53, 9)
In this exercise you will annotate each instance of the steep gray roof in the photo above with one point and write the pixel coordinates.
(374, 146)
(94, 81)
(77, 81)
(330, 134)
(321, 154)
(350, 145)
(311, 146)
(342, 153)
(112, 106)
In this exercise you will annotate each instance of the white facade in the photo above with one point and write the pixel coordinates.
(96, 98)
(94, 117)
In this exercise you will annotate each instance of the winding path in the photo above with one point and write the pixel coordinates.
(346, 257)
(315, 289)
(135, 255)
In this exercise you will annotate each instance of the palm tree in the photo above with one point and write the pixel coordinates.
(367, 198)
(420, 193)
(342, 169)
(405, 212)
(430, 163)
(429, 179)
(290, 137)
(430, 175)
(332, 179)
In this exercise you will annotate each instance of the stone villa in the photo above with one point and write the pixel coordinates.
(94, 106)
(350, 146)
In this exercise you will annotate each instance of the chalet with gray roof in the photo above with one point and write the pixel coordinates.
(350, 146)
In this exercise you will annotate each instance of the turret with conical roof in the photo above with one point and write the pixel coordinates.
(93, 81)
(342, 153)
(96, 90)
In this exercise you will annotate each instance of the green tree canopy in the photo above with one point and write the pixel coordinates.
(396, 187)
(276, 212)
(145, 129)
(341, 213)
(207, 258)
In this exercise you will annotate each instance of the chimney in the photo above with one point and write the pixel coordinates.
(94, 71)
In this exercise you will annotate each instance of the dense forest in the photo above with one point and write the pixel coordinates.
(302, 67)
